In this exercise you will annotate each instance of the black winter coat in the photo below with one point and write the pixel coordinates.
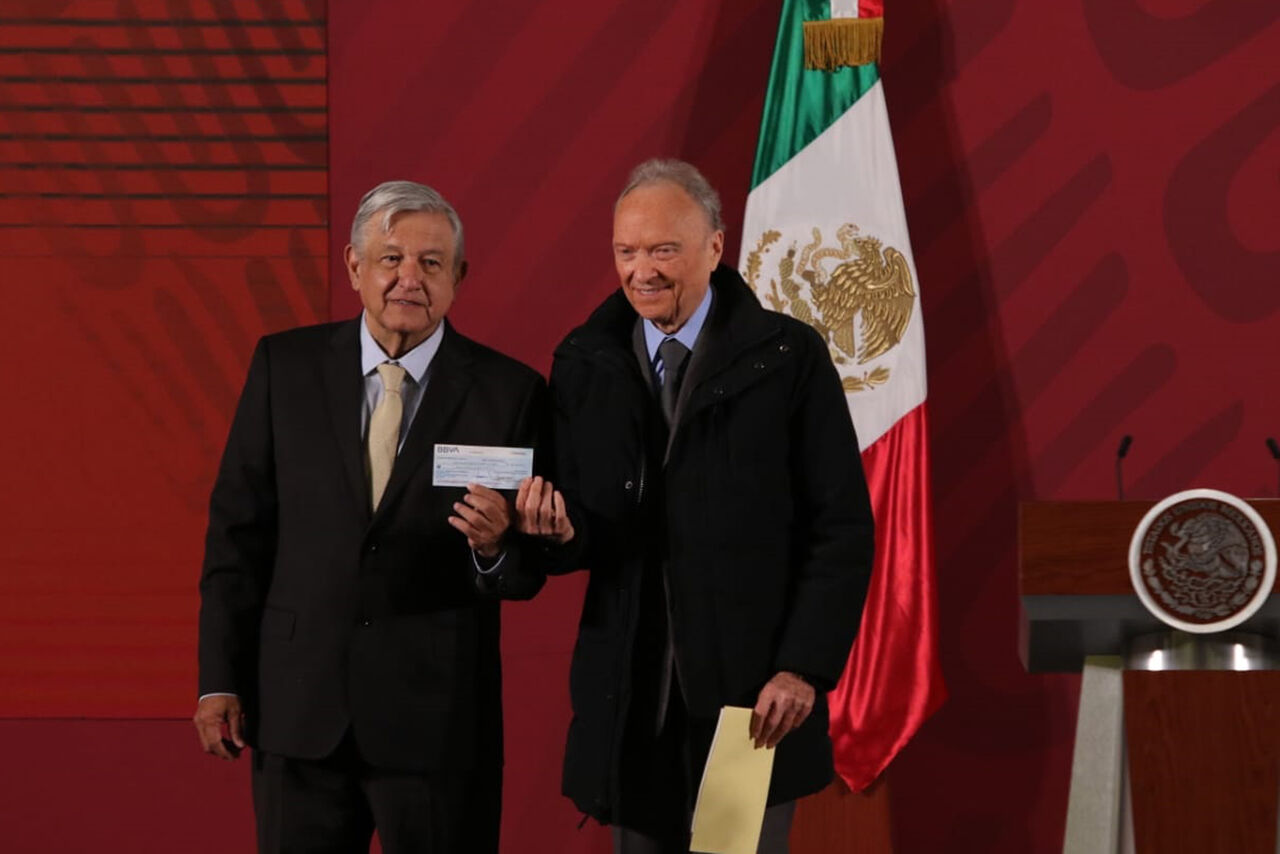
(760, 511)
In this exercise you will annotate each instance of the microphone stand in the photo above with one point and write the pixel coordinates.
(1274, 448)
(1121, 452)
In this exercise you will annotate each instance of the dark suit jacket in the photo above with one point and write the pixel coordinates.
(322, 615)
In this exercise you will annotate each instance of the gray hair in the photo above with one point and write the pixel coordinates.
(395, 197)
(685, 176)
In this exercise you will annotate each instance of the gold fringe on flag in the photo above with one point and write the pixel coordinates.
(841, 42)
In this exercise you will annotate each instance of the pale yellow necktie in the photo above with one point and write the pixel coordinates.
(384, 430)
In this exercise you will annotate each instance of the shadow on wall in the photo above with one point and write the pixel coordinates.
(725, 102)
(1000, 746)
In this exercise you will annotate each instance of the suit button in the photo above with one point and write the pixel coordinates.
(366, 622)
(759, 366)
(783, 348)
(627, 486)
(373, 547)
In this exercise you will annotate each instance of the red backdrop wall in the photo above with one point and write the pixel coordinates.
(1092, 193)
(162, 203)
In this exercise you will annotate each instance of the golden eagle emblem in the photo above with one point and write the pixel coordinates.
(865, 279)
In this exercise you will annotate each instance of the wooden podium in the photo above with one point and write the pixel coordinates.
(1201, 744)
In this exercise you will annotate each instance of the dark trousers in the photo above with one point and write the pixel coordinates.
(333, 805)
(665, 748)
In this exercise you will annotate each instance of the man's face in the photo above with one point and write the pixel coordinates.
(664, 249)
(405, 277)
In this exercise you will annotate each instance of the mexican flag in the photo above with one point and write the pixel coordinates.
(825, 241)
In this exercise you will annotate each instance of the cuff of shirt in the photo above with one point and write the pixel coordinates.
(218, 694)
(481, 562)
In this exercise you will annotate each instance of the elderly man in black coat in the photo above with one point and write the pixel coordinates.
(709, 476)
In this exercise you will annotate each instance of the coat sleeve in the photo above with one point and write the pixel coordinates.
(522, 571)
(835, 538)
(559, 464)
(240, 542)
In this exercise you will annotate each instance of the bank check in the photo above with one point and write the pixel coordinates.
(494, 467)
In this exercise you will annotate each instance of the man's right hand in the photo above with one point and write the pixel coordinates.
(219, 722)
(540, 511)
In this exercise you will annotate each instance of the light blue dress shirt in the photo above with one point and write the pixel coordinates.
(417, 363)
(686, 335)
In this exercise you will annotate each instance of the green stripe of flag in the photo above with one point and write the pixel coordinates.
(799, 105)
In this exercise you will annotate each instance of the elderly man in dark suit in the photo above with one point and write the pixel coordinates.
(713, 488)
(349, 607)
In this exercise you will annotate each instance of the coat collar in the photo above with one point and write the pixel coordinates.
(737, 322)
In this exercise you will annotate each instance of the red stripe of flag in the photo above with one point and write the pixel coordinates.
(893, 681)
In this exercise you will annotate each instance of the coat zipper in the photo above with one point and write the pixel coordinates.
(640, 490)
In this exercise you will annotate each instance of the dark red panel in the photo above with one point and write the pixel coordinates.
(114, 786)
(163, 202)
(1091, 192)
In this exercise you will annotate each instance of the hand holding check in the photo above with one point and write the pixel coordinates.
(483, 516)
(540, 511)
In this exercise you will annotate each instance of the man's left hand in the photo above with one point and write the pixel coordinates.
(540, 511)
(483, 516)
(784, 703)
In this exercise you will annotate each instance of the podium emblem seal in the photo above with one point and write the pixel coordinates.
(1202, 561)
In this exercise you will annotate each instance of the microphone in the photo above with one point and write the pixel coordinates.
(1274, 448)
(1121, 453)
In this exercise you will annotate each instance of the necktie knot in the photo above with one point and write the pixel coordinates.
(673, 354)
(392, 377)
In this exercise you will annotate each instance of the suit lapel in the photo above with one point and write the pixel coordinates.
(447, 381)
(344, 390)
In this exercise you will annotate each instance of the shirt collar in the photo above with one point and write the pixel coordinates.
(415, 362)
(686, 335)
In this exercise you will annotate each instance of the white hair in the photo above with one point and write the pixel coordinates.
(685, 176)
(395, 197)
